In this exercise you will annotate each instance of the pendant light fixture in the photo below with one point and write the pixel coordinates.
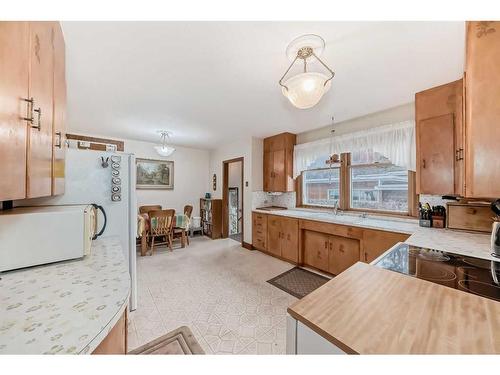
(306, 89)
(164, 149)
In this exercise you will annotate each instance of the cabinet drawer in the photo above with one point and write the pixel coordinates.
(259, 243)
(335, 229)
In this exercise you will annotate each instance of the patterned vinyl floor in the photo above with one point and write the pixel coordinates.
(219, 290)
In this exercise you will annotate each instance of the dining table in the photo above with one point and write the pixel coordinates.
(143, 225)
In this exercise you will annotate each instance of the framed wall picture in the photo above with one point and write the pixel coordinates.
(154, 174)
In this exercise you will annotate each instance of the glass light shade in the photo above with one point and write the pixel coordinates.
(164, 150)
(305, 90)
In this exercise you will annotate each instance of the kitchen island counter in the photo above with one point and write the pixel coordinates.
(67, 307)
(369, 310)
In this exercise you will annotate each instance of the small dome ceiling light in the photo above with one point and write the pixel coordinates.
(164, 149)
(306, 89)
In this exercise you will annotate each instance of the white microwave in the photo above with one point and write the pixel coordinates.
(31, 236)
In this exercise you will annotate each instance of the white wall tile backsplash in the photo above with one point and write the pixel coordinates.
(263, 199)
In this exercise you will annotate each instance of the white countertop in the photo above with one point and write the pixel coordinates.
(399, 225)
(66, 307)
(453, 241)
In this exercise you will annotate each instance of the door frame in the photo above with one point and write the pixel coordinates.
(225, 197)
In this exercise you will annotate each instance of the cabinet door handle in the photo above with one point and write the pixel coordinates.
(459, 154)
(326, 244)
(331, 245)
(39, 119)
(29, 110)
(341, 248)
(59, 140)
(423, 163)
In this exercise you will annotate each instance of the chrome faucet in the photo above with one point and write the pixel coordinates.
(363, 215)
(336, 208)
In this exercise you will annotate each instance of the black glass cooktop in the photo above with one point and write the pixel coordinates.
(472, 275)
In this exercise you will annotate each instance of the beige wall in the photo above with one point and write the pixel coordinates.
(388, 116)
(251, 149)
(190, 176)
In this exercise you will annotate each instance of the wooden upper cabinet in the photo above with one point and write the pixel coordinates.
(278, 163)
(39, 153)
(14, 70)
(436, 155)
(59, 113)
(439, 140)
(482, 108)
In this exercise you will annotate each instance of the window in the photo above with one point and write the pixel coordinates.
(371, 182)
(377, 184)
(321, 187)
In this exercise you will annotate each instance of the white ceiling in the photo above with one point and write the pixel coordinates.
(213, 82)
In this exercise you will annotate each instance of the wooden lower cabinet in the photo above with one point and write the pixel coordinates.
(116, 340)
(375, 242)
(259, 231)
(290, 239)
(316, 249)
(327, 247)
(282, 236)
(274, 235)
(329, 253)
(344, 252)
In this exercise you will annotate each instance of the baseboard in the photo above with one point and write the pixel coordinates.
(248, 246)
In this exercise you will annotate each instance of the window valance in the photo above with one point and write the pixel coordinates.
(395, 141)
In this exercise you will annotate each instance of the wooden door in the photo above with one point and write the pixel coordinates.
(316, 249)
(343, 253)
(290, 239)
(274, 235)
(437, 155)
(268, 171)
(14, 69)
(482, 97)
(39, 154)
(59, 113)
(279, 176)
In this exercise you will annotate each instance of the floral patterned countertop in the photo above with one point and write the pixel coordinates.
(67, 307)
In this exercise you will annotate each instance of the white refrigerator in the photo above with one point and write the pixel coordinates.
(87, 181)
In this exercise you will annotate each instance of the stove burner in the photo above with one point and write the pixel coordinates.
(433, 272)
(480, 288)
(476, 262)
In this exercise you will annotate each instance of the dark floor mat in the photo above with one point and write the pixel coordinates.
(298, 282)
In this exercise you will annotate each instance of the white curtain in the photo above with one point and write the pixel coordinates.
(395, 141)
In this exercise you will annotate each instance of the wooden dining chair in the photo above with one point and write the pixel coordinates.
(146, 209)
(161, 225)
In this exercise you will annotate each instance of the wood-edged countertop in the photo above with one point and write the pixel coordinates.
(369, 310)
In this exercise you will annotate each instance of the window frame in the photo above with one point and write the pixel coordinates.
(300, 191)
(345, 190)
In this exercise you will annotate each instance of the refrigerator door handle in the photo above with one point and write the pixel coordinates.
(97, 207)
